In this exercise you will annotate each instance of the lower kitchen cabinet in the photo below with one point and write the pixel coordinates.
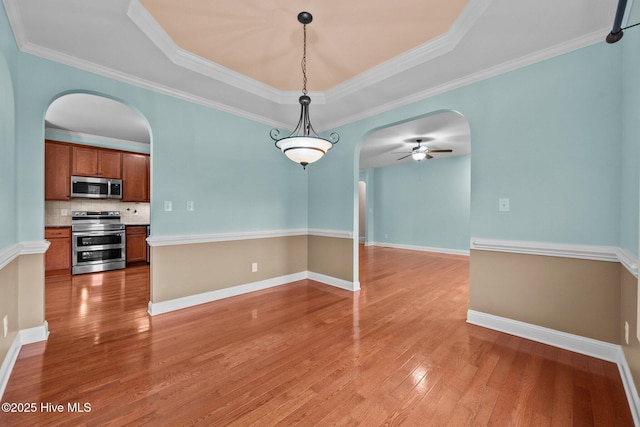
(57, 259)
(136, 243)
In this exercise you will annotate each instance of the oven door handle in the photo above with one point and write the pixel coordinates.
(97, 233)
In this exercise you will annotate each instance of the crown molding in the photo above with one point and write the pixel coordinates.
(414, 57)
(446, 43)
(557, 50)
(15, 21)
(627, 14)
(423, 53)
(92, 67)
(185, 59)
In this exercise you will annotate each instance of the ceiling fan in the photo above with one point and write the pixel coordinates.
(420, 152)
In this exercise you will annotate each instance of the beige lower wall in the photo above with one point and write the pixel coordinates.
(9, 305)
(331, 256)
(21, 297)
(629, 313)
(576, 296)
(31, 297)
(183, 270)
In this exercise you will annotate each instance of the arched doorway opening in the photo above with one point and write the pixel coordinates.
(97, 166)
(417, 175)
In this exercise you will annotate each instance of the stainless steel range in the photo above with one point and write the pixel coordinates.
(98, 241)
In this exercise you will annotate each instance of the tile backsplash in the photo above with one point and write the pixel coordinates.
(59, 212)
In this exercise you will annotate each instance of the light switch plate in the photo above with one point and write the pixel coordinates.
(168, 206)
(504, 205)
(190, 205)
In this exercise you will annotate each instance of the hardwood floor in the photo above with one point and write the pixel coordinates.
(399, 352)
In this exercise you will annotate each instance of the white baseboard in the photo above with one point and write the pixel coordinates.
(332, 281)
(205, 297)
(629, 387)
(8, 362)
(576, 343)
(37, 334)
(420, 248)
(23, 337)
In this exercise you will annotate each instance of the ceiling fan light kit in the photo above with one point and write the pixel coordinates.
(418, 155)
(303, 145)
(421, 152)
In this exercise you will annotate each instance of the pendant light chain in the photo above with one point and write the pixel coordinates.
(304, 61)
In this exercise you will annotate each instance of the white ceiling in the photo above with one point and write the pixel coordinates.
(87, 114)
(120, 39)
(442, 130)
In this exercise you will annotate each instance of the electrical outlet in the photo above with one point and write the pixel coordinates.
(254, 267)
(168, 205)
(504, 205)
(5, 322)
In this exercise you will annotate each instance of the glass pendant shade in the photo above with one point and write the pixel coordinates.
(304, 149)
(418, 155)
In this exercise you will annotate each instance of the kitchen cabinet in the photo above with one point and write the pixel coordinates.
(135, 177)
(62, 160)
(136, 243)
(57, 171)
(98, 162)
(57, 259)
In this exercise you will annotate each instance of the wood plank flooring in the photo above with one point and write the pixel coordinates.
(399, 352)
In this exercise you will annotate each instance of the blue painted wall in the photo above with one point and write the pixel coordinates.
(630, 180)
(8, 219)
(8, 193)
(423, 204)
(226, 164)
(547, 136)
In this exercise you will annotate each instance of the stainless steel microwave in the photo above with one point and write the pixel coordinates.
(96, 188)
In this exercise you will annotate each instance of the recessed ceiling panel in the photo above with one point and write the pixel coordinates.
(263, 39)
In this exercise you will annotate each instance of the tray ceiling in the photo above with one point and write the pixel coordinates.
(263, 39)
(364, 57)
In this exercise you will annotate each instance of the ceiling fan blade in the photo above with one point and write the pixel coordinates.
(440, 151)
(404, 157)
(429, 157)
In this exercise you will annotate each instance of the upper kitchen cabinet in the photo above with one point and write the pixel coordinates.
(57, 171)
(135, 177)
(90, 161)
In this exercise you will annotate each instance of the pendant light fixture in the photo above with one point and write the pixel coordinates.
(303, 145)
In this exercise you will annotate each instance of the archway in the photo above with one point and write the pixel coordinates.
(418, 181)
(93, 140)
